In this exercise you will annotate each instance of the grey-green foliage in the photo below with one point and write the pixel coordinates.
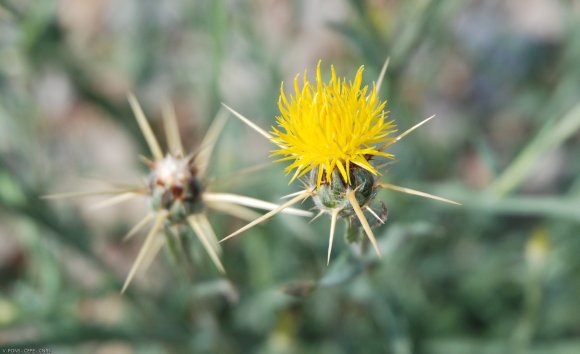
(451, 280)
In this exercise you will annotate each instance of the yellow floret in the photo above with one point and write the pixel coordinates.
(331, 125)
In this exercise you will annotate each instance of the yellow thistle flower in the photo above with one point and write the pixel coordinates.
(328, 125)
(334, 130)
(177, 193)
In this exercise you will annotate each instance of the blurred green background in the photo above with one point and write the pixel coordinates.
(501, 274)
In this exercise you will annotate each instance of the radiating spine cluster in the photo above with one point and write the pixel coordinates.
(177, 192)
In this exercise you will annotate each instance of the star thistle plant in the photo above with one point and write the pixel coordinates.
(178, 194)
(333, 131)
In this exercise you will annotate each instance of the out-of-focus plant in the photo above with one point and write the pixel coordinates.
(178, 195)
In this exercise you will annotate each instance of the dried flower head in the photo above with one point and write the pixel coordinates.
(334, 130)
(176, 189)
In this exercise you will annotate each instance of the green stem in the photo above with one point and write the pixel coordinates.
(364, 245)
(525, 329)
(352, 234)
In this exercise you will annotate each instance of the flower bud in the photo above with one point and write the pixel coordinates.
(174, 187)
(332, 194)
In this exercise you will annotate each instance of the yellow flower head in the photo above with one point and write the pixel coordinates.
(334, 124)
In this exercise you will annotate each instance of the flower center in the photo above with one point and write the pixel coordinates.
(174, 187)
